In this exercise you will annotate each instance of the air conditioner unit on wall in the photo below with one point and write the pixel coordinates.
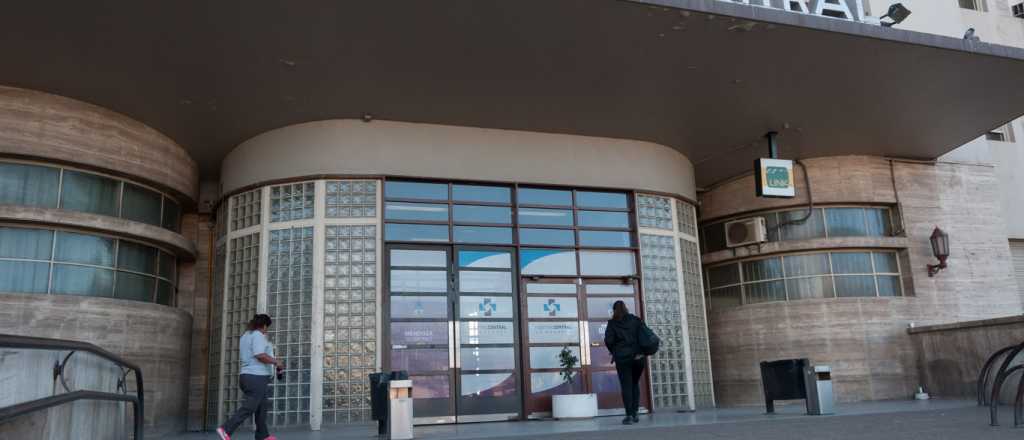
(1018, 10)
(746, 231)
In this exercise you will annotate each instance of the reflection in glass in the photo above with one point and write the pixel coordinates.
(141, 205)
(855, 285)
(589, 199)
(419, 360)
(603, 219)
(607, 263)
(813, 227)
(430, 387)
(416, 211)
(479, 193)
(851, 262)
(87, 249)
(482, 214)
(555, 333)
(485, 281)
(28, 185)
(487, 358)
(485, 307)
(765, 269)
(483, 235)
(24, 276)
(89, 193)
(415, 190)
(610, 289)
(547, 357)
(136, 257)
(547, 262)
(33, 244)
(81, 280)
(812, 287)
(544, 383)
(425, 307)
(810, 264)
(605, 239)
(485, 259)
(488, 385)
(549, 197)
(889, 285)
(422, 233)
(419, 281)
(419, 258)
(547, 237)
(601, 307)
(605, 382)
(879, 224)
(885, 262)
(545, 217)
(845, 222)
(551, 307)
(134, 287)
(486, 332)
(404, 334)
(532, 288)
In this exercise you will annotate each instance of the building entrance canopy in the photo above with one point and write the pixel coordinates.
(707, 78)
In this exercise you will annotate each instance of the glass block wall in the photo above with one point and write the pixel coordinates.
(292, 202)
(245, 209)
(239, 307)
(350, 318)
(674, 302)
(664, 315)
(290, 304)
(216, 321)
(351, 199)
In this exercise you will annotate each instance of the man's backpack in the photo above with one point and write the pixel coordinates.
(649, 342)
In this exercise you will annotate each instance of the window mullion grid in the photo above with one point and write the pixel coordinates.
(832, 275)
(874, 272)
(53, 256)
(785, 285)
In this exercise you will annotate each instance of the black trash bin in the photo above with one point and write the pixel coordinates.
(783, 380)
(379, 397)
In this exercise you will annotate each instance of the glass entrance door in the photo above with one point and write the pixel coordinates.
(453, 326)
(599, 296)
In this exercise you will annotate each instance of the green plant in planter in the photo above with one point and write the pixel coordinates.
(568, 361)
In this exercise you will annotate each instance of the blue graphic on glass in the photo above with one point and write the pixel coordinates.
(552, 307)
(487, 307)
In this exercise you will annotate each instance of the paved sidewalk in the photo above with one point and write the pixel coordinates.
(897, 420)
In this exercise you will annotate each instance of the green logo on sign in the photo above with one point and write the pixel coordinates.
(777, 177)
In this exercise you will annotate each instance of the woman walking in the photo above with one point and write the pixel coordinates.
(258, 363)
(622, 337)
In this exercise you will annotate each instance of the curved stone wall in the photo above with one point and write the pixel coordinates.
(155, 337)
(54, 128)
(385, 148)
(865, 340)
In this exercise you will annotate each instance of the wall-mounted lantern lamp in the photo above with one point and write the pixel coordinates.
(940, 248)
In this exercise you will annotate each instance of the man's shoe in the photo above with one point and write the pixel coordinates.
(223, 434)
(627, 421)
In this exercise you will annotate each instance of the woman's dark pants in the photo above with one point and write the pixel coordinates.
(629, 371)
(256, 403)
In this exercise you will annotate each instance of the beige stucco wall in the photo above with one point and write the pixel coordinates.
(155, 337)
(352, 147)
(865, 339)
(50, 127)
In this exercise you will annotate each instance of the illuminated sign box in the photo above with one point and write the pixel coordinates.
(774, 178)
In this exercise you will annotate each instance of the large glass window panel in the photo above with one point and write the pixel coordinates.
(488, 385)
(766, 269)
(547, 357)
(545, 217)
(415, 190)
(485, 259)
(550, 383)
(551, 307)
(485, 281)
(479, 193)
(172, 214)
(485, 307)
(24, 276)
(855, 285)
(851, 262)
(811, 287)
(723, 275)
(885, 262)
(590, 199)
(82, 280)
(765, 292)
(487, 358)
(418, 233)
(89, 193)
(419, 281)
(134, 287)
(605, 239)
(550, 288)
(547, 237)
(604, 382)
(28, 185)
(136, 257)
(610, 289)
(813, 227)
(33, 244)
(482, 235)
(547, 262)
(726, 297)
(601, 307)
(846, 222)
(714, 237)
(430, 387)
(142, 205)
(433, 212)
(419, 307)
(419, 258)
(603, 219)
(168, 266)
(607, 263)
(554, 332)
(548, 197)
(486, 332)
(482, 214)
(879, 223)
(803, 265)
(86, 249)
(164, 293)
(889, 285)
(404, 334)
(419, 360)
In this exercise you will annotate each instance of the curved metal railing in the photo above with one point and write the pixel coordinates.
(986, 374)
(1002, 374)
(31, 343)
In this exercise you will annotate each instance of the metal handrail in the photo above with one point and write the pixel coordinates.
(985, 373)
(33, 343)
(1003, 372)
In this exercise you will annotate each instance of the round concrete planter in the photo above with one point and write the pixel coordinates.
(574, 406)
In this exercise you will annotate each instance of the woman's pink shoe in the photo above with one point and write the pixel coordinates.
(223, 434)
